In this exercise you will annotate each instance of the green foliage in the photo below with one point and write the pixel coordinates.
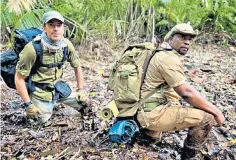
(225, 16)
(122, 19)
(213, 15)
(113, 19)
(23, 19)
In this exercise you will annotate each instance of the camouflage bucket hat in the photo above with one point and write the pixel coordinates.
(182, 28)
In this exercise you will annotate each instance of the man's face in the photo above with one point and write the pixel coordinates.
(181, 43)
(54, 30)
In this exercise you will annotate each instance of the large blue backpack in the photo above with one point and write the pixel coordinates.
(10, 58)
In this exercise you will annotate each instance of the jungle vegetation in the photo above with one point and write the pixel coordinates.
(121, 19)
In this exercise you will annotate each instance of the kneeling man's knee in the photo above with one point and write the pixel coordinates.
(208, 119)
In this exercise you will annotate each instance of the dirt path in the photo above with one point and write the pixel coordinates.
(209, 69)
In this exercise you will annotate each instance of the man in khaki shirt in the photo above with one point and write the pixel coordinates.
(166, 69)
(40, 102)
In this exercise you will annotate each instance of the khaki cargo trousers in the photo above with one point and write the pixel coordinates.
(177, 117)
(46, 107)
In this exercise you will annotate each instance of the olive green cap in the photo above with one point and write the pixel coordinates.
(52, 15)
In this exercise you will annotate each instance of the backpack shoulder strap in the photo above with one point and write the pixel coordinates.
(65, 54)
(146, 63)
(39, 60)
(39, 55)
(143, 100)
(145, 66)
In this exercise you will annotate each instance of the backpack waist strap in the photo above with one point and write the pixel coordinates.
(44, 86)
(53, 65)
(31, 86)
(149, 106)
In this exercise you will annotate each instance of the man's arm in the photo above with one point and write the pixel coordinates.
(21, 87)
(31, 111)
(193, 97)
(82, 97)
(79, 77)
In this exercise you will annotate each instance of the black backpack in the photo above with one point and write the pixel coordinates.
(22, 37)
(10, 58)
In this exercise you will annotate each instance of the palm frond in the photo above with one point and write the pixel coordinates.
(28, 4)
(14, 6)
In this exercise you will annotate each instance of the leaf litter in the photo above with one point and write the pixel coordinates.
(74, 135)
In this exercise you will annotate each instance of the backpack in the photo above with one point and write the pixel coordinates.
(127, 76)
(10, 58)
(22, 37)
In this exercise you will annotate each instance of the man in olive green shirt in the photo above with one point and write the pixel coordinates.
(166, 68)
(39, 104)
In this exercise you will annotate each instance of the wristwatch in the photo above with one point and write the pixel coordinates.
(27, 104)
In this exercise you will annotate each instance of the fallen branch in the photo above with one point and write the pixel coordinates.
(58, 157)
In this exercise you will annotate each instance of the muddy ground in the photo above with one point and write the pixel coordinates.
(210, 68)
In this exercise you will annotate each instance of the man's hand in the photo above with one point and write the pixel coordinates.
(82, 97)
(32, 111)
(220, 119)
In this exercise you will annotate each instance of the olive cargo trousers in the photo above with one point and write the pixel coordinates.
(46, 107)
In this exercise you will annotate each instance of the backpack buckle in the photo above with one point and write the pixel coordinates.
(50, 88)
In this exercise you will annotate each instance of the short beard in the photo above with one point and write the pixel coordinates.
(181, 52)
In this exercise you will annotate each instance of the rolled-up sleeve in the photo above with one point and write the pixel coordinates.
(73, 58)
(171, 70)
(26, 61)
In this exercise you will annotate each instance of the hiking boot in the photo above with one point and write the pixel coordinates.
(196, 137)
(155, 135)
(190, 154)
(147, 137)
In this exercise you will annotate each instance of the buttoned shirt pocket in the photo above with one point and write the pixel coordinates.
(48, 59)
